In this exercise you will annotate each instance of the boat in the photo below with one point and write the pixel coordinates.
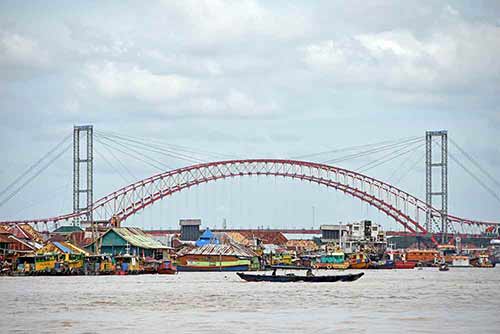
(495, 251)
(167, 268)
(444, 267)
(299, 278)
(334, 260)
(382, 264)
(127, 264)
(399, 260)
(426, 257)
(359, 261)
(447, 252)
(404, 265)
(482, 261)
(460, 261)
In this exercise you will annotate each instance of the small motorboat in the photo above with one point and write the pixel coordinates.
(309, 277)
(444, 267)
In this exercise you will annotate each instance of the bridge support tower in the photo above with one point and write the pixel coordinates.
(83, 172)
(436, 167)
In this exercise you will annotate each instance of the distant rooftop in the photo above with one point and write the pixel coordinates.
(189, 222)
(67, 229)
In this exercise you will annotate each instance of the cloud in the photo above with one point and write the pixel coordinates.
(233, 104)
(221, 20)
(459, 58)
(20, 56)
(125, 81)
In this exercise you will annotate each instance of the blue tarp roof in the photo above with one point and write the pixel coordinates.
(63, 248)
(207, 238)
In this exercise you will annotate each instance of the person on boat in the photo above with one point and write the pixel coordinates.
(309, 273)
(274, 272)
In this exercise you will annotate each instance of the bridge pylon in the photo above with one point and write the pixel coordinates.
(439, 189)
(83, 173)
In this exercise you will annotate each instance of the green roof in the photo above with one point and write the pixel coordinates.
(67, 229)
(136, 237)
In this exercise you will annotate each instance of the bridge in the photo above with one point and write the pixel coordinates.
(412, 213)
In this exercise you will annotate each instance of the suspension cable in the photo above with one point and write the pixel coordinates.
(475, 177)
(35, 165)
(472, 174)
(170, 147)
(41, 170)
(352, 148)
(117, 159)
(475, 163)
(116, 170)
(153, 148)
(390, 159)
(372, 151)
(410, 169)
(388, 155)
(137, 152)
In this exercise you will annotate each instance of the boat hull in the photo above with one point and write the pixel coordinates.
(294, 278)
(404, 265)
(382, 265)
(360, 265)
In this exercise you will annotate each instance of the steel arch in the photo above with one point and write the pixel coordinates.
(404, 208)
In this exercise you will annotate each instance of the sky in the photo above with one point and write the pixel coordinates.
(249, 79)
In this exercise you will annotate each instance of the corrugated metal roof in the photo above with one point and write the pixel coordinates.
(136, 237)
(212, 249)
(67, 229)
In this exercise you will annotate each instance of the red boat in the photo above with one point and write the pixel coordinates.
(167, 268)
(404, 265)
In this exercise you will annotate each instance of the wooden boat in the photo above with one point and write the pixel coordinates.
(299, 278)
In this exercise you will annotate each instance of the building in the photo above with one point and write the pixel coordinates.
(355, 236)
(334, 233)
(19, 239)
(365, 235)
(72, 233)
(128, 240)
(190, 229)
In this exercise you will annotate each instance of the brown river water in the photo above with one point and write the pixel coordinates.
(392, 301)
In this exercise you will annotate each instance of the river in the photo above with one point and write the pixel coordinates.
(392, 301)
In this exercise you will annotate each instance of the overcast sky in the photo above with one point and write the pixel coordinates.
(249, 79)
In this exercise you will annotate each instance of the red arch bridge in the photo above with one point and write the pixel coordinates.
(407, 210)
